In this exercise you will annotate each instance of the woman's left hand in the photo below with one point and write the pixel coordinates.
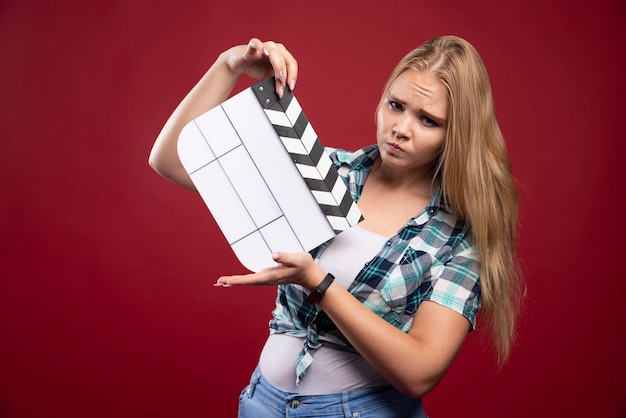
(295, 268)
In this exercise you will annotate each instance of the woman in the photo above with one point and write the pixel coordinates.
(369, 322)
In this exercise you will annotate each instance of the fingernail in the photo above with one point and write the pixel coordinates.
(266, 52)
(292, 84)
(281, 91)
(281, 75)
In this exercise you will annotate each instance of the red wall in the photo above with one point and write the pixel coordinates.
(106, 302)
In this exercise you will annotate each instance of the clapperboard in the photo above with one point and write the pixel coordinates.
(262, 172)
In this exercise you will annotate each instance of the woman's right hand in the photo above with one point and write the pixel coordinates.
(261, 60)
(257, 59)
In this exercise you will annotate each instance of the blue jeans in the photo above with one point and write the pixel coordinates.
(262, 400)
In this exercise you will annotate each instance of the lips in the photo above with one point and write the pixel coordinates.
(394, 148)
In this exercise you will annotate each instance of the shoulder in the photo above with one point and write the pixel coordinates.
(353, 166)
(359, 159)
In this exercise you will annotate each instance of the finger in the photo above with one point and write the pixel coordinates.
(291, 65)
(293, 260)
(254, 47)
(281, 258)
(238, 280)
(275, 54)
(266, 276)
(218, 284)
(307, 270)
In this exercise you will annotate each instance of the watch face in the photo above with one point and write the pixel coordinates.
(314, 297)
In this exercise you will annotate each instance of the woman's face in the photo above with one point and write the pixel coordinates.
(411, 121)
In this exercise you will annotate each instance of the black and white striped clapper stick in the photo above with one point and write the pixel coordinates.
(263, 173)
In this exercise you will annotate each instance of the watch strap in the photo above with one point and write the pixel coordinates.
(316, 294)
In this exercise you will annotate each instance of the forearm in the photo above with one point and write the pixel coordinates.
(412, 364)
(212, 89)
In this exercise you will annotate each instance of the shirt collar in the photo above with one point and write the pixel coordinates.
(362, 159)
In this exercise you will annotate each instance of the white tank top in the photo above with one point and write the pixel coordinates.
(333, 370)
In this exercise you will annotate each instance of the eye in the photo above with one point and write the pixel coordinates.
(428, 121)
(393, 105)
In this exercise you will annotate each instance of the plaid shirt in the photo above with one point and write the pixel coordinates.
(430, 258)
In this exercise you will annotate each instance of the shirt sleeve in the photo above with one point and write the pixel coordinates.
(457, 286)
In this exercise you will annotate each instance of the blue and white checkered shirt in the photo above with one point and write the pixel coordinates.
(430, 258)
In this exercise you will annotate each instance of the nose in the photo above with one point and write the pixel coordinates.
(402, 127)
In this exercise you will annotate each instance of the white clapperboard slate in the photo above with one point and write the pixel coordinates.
(262, 172)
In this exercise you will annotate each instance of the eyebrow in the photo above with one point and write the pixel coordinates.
(441, 121)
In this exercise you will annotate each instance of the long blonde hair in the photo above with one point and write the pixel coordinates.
(476, 177)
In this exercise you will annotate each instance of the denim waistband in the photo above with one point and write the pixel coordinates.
(384, 401)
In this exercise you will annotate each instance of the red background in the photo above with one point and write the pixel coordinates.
(106, 302)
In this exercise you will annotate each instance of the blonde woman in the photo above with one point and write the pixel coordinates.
(369, 322)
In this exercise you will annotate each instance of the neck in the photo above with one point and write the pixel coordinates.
(416, 181)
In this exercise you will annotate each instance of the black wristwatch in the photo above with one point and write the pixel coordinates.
(316, 294)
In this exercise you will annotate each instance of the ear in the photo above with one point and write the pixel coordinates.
(377, 110)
